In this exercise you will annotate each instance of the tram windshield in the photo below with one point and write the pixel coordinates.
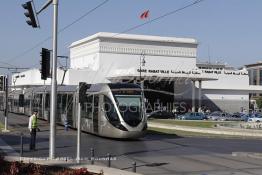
(130, 108)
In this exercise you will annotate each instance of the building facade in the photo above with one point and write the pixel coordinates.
(165, 66)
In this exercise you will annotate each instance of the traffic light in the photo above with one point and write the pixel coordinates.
(30, 13)
(45, 64)
(2, 83)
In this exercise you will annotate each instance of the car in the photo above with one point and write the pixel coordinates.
(161, 114)
(245, 117)
(192, 116)
(214, 115)
(257, 117)
(224, 116)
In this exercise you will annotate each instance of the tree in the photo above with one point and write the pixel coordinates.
(259, 102)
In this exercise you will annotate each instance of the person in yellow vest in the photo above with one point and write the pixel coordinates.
(32, 126)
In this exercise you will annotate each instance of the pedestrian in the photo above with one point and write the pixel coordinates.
(32, 126)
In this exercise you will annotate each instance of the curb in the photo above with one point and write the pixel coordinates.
(230, 132)
(247, 154)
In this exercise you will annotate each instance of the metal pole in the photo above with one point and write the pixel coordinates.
(22, 145)
(200, 94)
(6, 104)
(53, 85)
(109, 160)
(174, 90)
(134, 167)
(140, 72)
(92, 156)
(78, 133)
(193, 96)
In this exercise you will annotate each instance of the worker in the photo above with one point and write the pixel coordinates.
(32, 126)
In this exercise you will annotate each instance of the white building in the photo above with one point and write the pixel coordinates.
(166, 64)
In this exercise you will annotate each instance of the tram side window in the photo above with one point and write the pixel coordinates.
(110, 110)
(47, 100)
(96, 105)
(40, 100)
(59, 102)
(64, 97)
(87, 110)
(35, 102)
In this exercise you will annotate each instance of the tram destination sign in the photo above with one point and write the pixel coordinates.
(162, 71)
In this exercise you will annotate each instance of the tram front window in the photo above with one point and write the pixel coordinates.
(111, 112)
(130, 108)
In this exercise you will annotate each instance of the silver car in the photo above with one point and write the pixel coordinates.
(192, 116)
(257, 117)
(223, 116)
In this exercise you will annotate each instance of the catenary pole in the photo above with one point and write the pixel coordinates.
(6, 103)
(53, 85)
(78, 151)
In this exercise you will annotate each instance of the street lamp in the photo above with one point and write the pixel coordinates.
(142, 63)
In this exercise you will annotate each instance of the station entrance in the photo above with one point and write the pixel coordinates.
(180, 94)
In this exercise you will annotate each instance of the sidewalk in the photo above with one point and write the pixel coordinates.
(219, 130)
(12, 151)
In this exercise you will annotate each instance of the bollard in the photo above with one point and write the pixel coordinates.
(134, 167)
(92, 156)
(109, 160)
(22, 145)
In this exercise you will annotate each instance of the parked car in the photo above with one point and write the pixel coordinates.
(161, 114)
(214, 115)
(257, 117)
(192, 116)
(224, 116)
(245, 117)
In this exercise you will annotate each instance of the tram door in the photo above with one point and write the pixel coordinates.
(95, 113)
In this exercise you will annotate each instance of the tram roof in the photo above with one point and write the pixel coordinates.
(47, 88)
(98, 87)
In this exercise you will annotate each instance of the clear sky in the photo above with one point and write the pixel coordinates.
(231, 29)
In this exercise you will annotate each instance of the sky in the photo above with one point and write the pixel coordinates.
(227, 31)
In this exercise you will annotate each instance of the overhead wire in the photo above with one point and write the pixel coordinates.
(5, 63)
(158, 18)
(122, 32)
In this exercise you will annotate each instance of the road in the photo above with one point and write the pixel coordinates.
(156, 153)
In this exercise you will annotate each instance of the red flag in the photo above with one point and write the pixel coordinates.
(144, 15)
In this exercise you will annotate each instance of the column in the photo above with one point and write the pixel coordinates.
(174, 92)
(193, 96)
(199, 93)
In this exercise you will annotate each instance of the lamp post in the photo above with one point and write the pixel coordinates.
(142, 63)
(53, 85)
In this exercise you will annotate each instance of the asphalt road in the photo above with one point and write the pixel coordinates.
(156, 153)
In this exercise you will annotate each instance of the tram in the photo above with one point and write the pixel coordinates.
(114, 110)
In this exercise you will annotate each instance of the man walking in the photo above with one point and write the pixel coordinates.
(32, 126)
